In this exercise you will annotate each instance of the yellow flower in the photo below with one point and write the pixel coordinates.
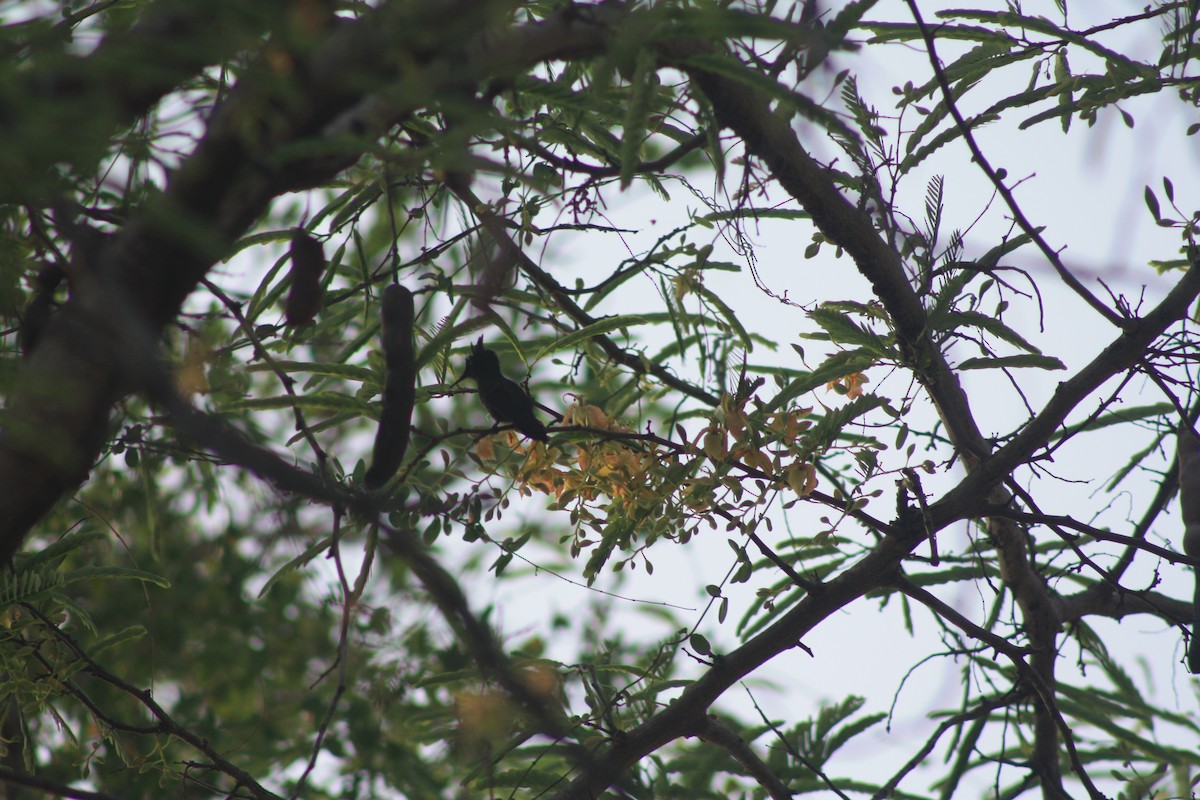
(801, 477)
(850, 385)
(713, 442)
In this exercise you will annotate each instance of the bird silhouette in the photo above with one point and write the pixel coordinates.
(505, 400)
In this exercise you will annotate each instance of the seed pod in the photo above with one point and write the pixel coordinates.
(1189, 500)
(308, 263)
(37, 314)
(399, 388)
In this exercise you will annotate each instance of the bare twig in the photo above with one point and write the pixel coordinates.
(285, 380)
(166, 724)
(1042, 690)
(50, 787)
(977, 154)
(718, 733)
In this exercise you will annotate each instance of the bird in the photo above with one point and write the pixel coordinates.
(504, 399)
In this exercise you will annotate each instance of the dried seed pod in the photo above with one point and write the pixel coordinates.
(308, 264)
(37, 313)
(1189, 500)
(399, 388)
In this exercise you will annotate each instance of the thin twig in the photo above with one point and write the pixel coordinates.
(166, 724)
(1018, 215)
(52, 787)
(792, 751)
(285, 380)
(980, 712)
(1017, 656)
(718, 733)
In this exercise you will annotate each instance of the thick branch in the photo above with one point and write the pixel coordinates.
(1123, 353)
(770, 138)
(686, 714)
(1100, 600)
(64, 108)
(57, 416)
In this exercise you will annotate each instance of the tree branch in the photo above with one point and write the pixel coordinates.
(84, 100)
(977, 156)
(1049, 774)
(49, 787)
(687, 712)
(1123, 353)
(165, 723)
(770, 138)
(57, 415)
(716, 732)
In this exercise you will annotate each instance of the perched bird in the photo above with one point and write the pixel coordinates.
(505, 400)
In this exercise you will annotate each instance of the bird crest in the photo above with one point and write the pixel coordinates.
(482, 361)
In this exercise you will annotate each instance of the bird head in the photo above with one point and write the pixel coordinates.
(481, 361)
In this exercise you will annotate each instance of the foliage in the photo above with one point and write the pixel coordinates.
(204, 204)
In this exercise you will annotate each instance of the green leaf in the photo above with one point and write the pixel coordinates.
(25, 586)
(447, 334)
(641, 88)
(119, 638)
(755, 213)
(963, 74)
(714, 22)
(616, 534)
(312, 551)
(1101, 91)
(909, 32)
(843, 330)
(986, 322)
(53, 553)
(115, 573)
(326, 369)
(1119, 416)
(992, 257)
(954, 575)
(1062, 76)
(733, 69)
(848, 17)
(829, 427)
(948, 135)
(1012, 362)
(836, 366)
(258, 239)
(937, 317)
(725, 311)
(1117, 61)
(597, 328)
(1152, 204)
(318, 401)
